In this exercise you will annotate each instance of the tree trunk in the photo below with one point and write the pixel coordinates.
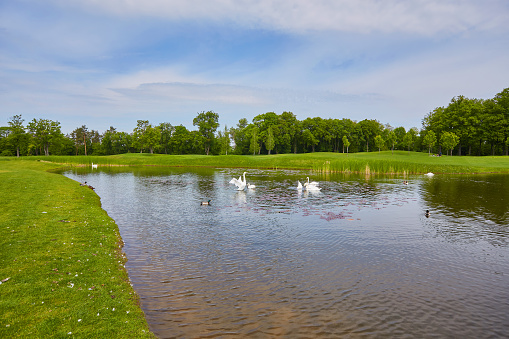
(85, 143)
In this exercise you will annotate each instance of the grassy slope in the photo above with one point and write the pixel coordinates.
(384, 162)
(62, 253)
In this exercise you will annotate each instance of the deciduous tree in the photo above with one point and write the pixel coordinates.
(207, 125)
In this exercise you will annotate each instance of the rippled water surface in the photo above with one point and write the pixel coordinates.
(357, 259)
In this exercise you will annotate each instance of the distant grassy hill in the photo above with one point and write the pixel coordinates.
(400, 162)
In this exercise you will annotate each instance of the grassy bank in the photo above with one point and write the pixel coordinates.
(61, 261)
(374, 162)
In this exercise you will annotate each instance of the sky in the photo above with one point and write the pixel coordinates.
(103, 63)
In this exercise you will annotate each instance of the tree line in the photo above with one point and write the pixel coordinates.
(467, 126)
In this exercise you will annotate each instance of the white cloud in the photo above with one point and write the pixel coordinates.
(364, 16)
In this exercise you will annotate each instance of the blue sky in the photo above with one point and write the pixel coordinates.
(105, 63)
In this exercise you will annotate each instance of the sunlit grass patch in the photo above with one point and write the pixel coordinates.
(62, 255)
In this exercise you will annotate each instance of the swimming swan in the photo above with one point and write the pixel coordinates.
(299, 185)
(94, 165)
(312, 186)
(314, 183)
(241, 184)
(429, 174)
(251, 186)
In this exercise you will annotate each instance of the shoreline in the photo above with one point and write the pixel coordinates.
(63, 256)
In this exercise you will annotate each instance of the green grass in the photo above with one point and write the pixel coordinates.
(385, 162)
(62, 255)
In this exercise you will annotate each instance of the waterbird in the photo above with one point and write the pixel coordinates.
(241, 184)
(426, 213)
(312, 186)
(251, 186)
(84, 184)
(429, 174)
(94, 165)
(314, 183)
(299, 185)
(205, 203)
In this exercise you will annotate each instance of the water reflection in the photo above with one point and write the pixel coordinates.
(358, 258)
(470, 207)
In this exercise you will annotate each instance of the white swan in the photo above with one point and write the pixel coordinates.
(241, 184)
(429, 174)
(314, 183)
(299, 185)
(94, 165)
(312, 186)
(251, 186)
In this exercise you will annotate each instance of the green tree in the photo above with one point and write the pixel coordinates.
(430, 139)
(152, 137)
(345, 143)
(309, 139)
(287, 127)
(224, 141)
(107, 140)
(79, 137)
(182, 140)
(139, 134)
(254, 147)
(391, 139)
(379, 142)
(400, 134)
(269, 143)
(17, 133)
(369, 130)
(241, 137)
(45, 133)
(207, 125)
(166, 131)
(449, 140)
(408, 140)
(262, 123)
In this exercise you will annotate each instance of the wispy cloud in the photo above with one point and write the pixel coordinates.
(365, 16)
(167, 60)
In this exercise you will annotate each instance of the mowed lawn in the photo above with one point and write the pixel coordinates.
(61, 263)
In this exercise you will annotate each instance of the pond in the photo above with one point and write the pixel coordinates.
(357, 259)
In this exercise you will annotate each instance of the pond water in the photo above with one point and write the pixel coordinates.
(358, 259)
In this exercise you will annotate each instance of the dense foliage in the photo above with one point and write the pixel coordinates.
(465, 126)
